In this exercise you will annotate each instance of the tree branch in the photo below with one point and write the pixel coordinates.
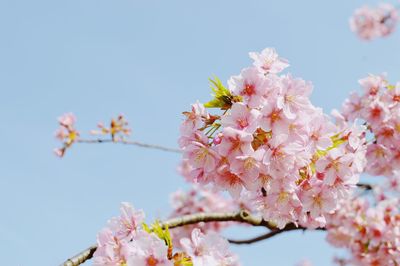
(289, 227)
(81, 257)
(241, 217)
(129, 142)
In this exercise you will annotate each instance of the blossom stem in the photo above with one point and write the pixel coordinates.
(130, 142)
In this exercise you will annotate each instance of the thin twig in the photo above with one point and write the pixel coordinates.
(289, 227)
(241, 217)
(130, 142)
(365, 186)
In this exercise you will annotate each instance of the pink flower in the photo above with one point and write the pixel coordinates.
(274, 119)
(110, 249)
(227, 180)
(280, 157)
(373, 84)
(126, 225)
(67, 120)
(369, 231)
(208, 249)
(147, 250)
(118, 128)
(319, 200)
(248, 167)
(201, 156)
(376, 113)
(235, 142)
(195, 118)
(335, 167)
(321, 130)
(294, 96)
(66, 133)
(250, 85)
(370, 23)
(392, 96)
(268, 61)
(352, 107)
(242, 118)
(280, 203)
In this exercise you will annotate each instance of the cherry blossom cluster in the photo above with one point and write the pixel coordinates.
(370, 23)
(199, 200)
(127, 241)
(271, 145)
(370, 231)
(118, 129)
(66, 133)
(370, 227)
(378, 106)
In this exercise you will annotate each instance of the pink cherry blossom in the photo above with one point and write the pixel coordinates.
(268, 61)
(147, 250)
(370, 23)
(274, 119)
(209, 249)
(110, 249)
(335, 167)
(370, 232)
(226, 180)
(126, 225)
(272, 144)
(202, 156)
(250, 85)
(67, 120)
(66, 133)
(248, 167)
(294, 96)
(319, 200)
(242, 118)
(195, 118)
(235, 142)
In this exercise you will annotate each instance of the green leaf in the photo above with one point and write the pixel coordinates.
(146, 228)
(163, 234)
(390, 87)
(222, 96)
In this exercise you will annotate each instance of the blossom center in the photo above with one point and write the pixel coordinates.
(249, 89)
(151, 261)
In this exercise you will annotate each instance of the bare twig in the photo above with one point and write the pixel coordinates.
(130, 142)
(240, 217)
(289, 227)
(365, 186)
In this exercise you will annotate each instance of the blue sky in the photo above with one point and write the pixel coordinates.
(148, 60)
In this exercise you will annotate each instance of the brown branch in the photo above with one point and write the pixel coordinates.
(241, 217)
(130, 142)
(258, 238)
(81, 257)
(272, 233)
